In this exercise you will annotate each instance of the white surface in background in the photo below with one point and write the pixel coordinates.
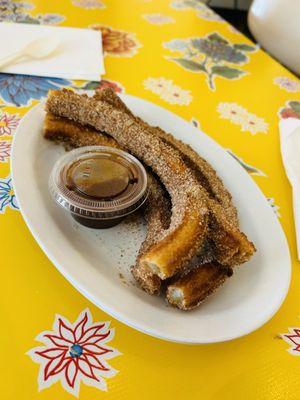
(290, 151)
(275, 25)
(78, 56)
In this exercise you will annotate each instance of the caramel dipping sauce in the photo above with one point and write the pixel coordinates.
(99, 185)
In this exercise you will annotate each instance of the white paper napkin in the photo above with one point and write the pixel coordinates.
(290, 151)
(79, 55)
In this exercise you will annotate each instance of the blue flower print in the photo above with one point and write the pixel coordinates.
(7, 195)
(19, 90)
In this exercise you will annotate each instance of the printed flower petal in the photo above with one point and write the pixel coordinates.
(85, 368)
(177, 44)
(288, 84)
(168, 91)
(238, 115)
(58, 341)
(116, 42)
(296, 340)
(5, 185)
(65, 332)
(79, 328)
(5, 148)
(94, 361)
(61, 367)
(13, 202)
(203, 11)
(89, 4)
(92, 331)
(53, 365)
(293, 339)
(96, 338)
(49, 19)
(51, 353)
(4, 201)
(95, 349)
(158, 19)
(8, 123)
(71, 372)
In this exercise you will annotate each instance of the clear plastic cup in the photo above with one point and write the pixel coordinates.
(99, 185)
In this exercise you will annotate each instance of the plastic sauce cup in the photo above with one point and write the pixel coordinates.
(99, 185)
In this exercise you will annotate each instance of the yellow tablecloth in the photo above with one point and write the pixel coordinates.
(182, 56)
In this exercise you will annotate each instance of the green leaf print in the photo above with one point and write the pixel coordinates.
(189, 64)
(244, 47)
(91, 85)
(226, 72)
(215, 37)
(295, 105)
(249, 168)
(213, 55)
(29, 20)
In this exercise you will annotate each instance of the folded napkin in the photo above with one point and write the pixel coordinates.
(78, 56)
(290, 151)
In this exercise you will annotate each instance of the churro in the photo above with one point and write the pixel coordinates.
(231, 245)
(63, 130)
(158, 217)
(191, 289)
(188, 227)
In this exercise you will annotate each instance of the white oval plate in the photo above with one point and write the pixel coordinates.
(97, 263)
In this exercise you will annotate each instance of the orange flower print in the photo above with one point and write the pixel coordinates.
(117, 43)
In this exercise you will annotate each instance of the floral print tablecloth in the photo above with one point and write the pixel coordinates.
(182, 56)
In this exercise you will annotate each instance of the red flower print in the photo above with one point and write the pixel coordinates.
(5, 148)
(75, 352)
(8, 123)
(293, 339)
(291, 110)
(113, 85)
(104, 83)
(289, 113)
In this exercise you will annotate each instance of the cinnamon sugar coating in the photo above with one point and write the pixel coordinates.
(232, 247)
(190, 290)
(63, 130)
(158, 217)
